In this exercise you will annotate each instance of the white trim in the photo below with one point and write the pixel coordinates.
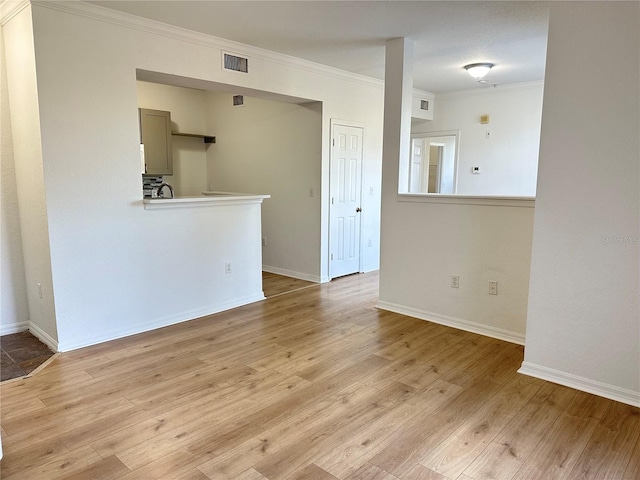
(156, 323)
(14, 328)
(10, 8)
(44, 337)
(526, 202)
(373, 267)
(203, 201)
(108, 15)
(490, 90)
(293, 274)
(346, 123)
(423, 93)
(583, 384)
(460, 324)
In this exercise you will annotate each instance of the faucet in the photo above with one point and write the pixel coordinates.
(162, 185)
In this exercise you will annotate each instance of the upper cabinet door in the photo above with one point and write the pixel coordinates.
(155, 134)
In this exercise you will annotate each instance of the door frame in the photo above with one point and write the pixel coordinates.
(344, 123)
(439, 166)
(456, 151)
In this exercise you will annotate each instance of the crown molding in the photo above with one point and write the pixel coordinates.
(423, 93)
(10, 8)
(126, 20)
(492, 90)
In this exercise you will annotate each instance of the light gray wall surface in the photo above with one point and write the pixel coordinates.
(583, 326)
(508, 159)
(30, 174)
(14, 309)
(273, 148)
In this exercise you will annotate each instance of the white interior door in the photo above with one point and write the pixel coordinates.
(416, 175)
(346, 192)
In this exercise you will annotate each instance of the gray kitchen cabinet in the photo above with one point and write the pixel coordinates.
(155, 134)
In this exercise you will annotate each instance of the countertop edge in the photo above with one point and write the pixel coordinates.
(203, 201)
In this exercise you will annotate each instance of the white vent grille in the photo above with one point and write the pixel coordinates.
(424, 104)
(235, 63)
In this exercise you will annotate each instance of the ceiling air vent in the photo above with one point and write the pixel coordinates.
(238, 100)
(424, 104)
(235, 63)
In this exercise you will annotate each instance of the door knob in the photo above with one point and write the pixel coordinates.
(358, 210)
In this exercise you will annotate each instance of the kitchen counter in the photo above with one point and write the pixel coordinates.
(208, 198)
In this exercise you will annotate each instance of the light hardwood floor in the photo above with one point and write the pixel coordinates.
(273, 284)
(316, 384)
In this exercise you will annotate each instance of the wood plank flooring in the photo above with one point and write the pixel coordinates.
(316, 384)
(273, 284)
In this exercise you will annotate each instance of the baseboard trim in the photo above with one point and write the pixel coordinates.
(370, 268)
(14, 328)
(43, 336)
(583, 384)
(292, 274)
(77, 343)
(460, 324)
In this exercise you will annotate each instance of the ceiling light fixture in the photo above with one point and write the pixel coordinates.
(478, 70)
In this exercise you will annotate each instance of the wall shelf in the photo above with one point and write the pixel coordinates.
(205, 138)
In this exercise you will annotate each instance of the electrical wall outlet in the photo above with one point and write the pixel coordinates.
(264, 241)
(493, 288)
(40, 290)
(227, 267)
(455, 281)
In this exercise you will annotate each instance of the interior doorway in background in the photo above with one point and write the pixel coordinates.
(432, 168)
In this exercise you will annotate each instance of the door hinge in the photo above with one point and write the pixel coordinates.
(333, 142)
(332, 256)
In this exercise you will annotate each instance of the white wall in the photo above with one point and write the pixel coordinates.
(583, 324)
(509, 159)
(273, 148)
(14, 310)
(30, 175)
(109, 256)
(424, 242)
(187, 107)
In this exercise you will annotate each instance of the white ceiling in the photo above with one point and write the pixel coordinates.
(351, 35)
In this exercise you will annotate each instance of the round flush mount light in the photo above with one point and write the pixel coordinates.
(478, 70)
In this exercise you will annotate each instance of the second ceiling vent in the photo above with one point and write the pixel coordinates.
(238, 100)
